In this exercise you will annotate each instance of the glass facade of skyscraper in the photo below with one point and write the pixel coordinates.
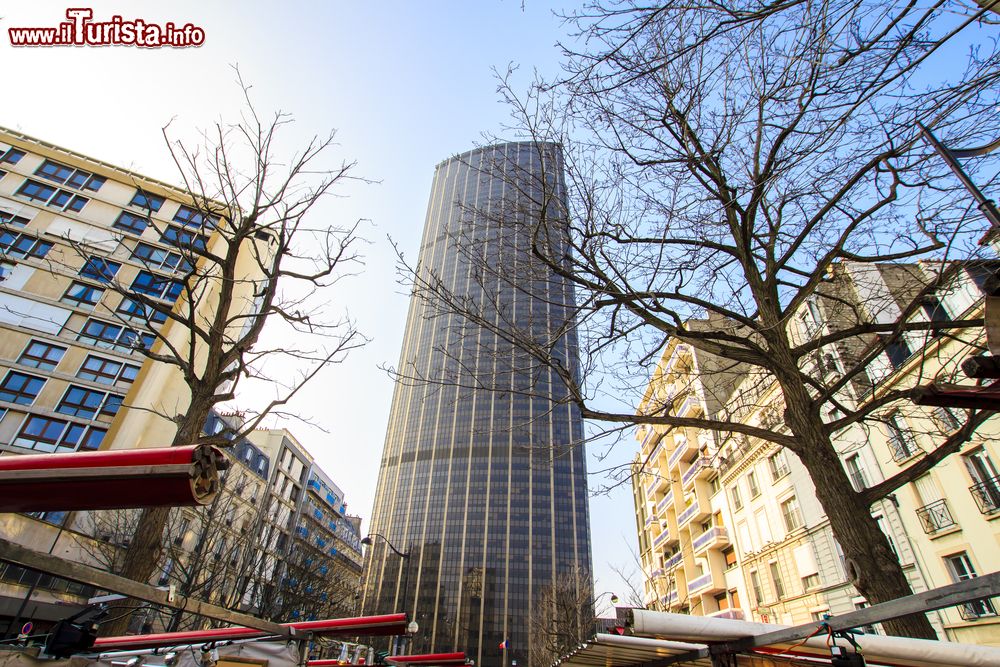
(483, 477)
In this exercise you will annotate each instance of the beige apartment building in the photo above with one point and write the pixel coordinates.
(780, 558)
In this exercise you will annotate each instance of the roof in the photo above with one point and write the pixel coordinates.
(678, 636)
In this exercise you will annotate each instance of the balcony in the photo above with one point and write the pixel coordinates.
(673, 561)
(700, 467)
(935, 517)
(987, 495)
(733, 613)
(664, 504)
(902, 446)
(649, 521)
(669, 599)
(661, 539)
(655, 485)
(706, 583)
(713, 538)
(682, 448)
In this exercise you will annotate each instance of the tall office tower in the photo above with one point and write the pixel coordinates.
(483, 478)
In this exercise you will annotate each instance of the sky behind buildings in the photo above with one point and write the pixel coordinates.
(405, 84)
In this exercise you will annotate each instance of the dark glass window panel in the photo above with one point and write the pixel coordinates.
(41, 355)
(132, 223)
(36, 191)
(20, 388)
(147, 201)
(100, 269)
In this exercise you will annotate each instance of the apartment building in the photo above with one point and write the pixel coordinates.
(71, 362)
(942, 526)
(685, 529)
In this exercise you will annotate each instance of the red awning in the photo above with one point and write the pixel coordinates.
(110, 479)
(388, 624)
(428, 659)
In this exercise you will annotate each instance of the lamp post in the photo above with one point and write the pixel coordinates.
(367, 541)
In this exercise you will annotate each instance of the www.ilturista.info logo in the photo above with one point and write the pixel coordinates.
(81, 30)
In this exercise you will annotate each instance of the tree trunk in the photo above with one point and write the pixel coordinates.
(146, 546)
(872, 566)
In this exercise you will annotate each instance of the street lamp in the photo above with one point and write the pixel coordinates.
(367, 541)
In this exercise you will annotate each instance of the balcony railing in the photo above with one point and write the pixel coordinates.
(681, 447)
(705, 539)
(971, 611)
(935, 517)
(733, 613)
(987, 495)
(902, 445)
(661, 538)
(700, 582)
(673, 561)
(696, 466)
(687, 514)
(665, 503)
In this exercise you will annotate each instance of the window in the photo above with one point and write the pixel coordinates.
(147, 201)
(779, 586)
(50, 196)
(20, 388)
(887, 531)
(135, 310)
(752, 483)
(985, 480)
(901, 441)
(948, 419)
(107, 371)
(737, 500)
(810, 581)
(23, 245)
(962, 569)
(791, 514)
(778, 465)
(115, 336)
(13, 220)
(183, 238)
(730, 555)
(50, 435)
(131, 223)
(896, 349)
(157, 258)
(156, 286)
(756, 588)
(88, 403)
(100, 269)
(74, 178)
(935, 311)
(12, 156)
(83, 295)
(41, 355)
(191, 217)
(856, 472)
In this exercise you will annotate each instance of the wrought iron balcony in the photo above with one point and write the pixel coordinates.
(970, 611)
(902, 445)
(987, 495)
(935, 517)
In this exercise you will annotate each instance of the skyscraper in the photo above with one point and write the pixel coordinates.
(483, 478)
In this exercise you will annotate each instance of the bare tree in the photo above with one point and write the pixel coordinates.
(730, 164)
(248, 256)
(561, 618)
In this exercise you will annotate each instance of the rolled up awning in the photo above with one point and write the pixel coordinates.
(387, 624)
(111, 479)
(428, 659)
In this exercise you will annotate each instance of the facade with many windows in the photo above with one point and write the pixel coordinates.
(944, 526)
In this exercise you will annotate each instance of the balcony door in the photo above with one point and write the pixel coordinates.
(985, 480)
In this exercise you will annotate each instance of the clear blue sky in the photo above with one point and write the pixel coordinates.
(406, 84)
